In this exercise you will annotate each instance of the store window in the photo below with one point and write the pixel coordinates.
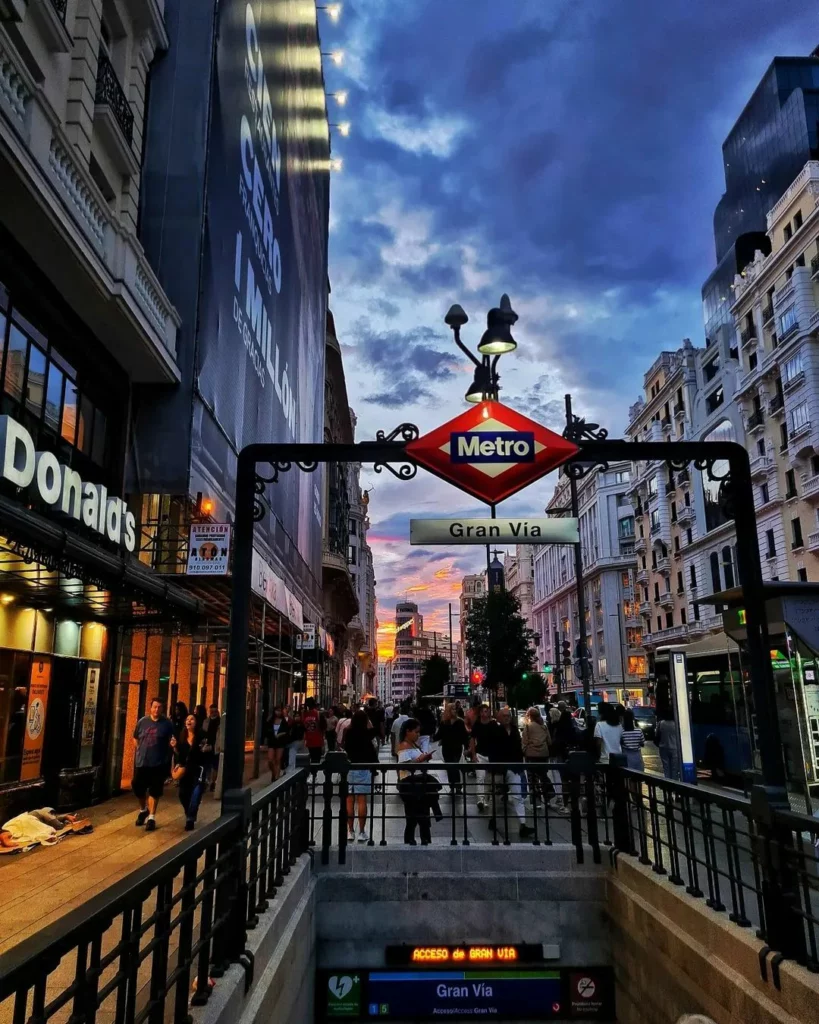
(636, 665)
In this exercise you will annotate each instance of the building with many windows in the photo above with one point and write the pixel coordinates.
(776, 313)
(384, 678)
(407, 658)
(472, 587)
(519, 579)
(607, 542)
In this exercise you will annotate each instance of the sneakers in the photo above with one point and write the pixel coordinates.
(150, 825)
(362, 836)
(189, 824)
(142, 817)
(350, 835)
(524, 832)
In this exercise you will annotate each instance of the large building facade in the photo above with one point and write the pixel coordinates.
(406, 662)
(776, 313)
(472, 587)
(520, 581)
(607, 544)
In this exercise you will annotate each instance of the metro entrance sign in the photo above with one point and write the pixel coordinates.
(491, 451)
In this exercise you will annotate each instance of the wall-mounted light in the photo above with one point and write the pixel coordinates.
(341, 97)
(6, 598)
(207, 506)
(336, 56)
(336, 164)
(343, 128)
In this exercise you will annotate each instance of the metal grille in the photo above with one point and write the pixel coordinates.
(110, 93)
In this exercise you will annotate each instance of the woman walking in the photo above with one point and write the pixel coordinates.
(453, 738)
(536, 744)
(359, 743)
(665, 736)
(632, 741)
(190, 769)
(277, 736)
(412, 785)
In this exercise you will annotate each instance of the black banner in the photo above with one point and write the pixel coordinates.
(260, 357)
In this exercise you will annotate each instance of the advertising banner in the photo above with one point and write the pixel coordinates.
(209, 550)
(89, 715)
(306, 641)
(264, 288)
(40, 681)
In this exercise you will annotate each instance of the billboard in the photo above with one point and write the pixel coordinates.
(261, 336)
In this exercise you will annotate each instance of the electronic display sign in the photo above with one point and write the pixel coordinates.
(527, 953)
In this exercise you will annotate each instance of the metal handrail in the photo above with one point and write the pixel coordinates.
(109, 92)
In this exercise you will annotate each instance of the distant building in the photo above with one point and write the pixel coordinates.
(384, 676)
(613, 631)
(406, 666)
(520, 579)
(438, 643)
(472, 587)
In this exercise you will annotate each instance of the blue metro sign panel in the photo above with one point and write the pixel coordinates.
(491, 451)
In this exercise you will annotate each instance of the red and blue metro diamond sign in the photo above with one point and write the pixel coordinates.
(491, 451)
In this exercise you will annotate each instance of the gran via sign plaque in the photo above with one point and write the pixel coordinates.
(491, 451)
(501, 531)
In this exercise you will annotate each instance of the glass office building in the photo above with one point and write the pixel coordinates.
(773, 138)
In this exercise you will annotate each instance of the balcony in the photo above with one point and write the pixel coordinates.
(665, 636)
(748, 335)
(642, 576)
(645, 608)
(679, 409)
(685, 514)
(789, 332)
(655, 529)
(665, 423)
(794, 381)
(813, 542)
(755, 420)
(767, 314)
(664, 565)
(761, 465)
(776, 404)
(639, 544)
(810, 487)
(667, 599)
(114, 119)
(682, 476)
(783, 295)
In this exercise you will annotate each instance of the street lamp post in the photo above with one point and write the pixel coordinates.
(495, 341)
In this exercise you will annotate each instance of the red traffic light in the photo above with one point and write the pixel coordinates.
(477, 676)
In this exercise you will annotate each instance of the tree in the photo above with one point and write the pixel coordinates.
(499, 641)
(434, 675)
(531, 689)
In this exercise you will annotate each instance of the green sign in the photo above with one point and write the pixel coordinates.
(344, 995)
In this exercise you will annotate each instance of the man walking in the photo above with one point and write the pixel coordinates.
(480, 744)
(152, 746)
(505, 748)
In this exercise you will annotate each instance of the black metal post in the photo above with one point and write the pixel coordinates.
(578, 572)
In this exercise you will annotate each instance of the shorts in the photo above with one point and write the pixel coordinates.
(150, 781)
(359, 782)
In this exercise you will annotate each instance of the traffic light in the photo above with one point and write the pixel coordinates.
(567, 652)
(547, 669)
(524, 675)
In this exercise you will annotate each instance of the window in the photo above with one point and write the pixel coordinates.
(796, 534)
(673, 512)
(656, 591)
(692, 576)
(680, 584)
(770, 544)
(716, 582)
(626, 579)
(652, 486)
(655, 519)
(15, 363)
(800, 260)
(790, 484)
(669, 620)
(710, 370)
(626, 528)
(753, 360)
(760, 446)
(659, 622)
(799, 417)
(689, 536)
(351, 554)
(783, 437)
(802, 574)
(54, 398)
(676, 543)
(35, 380)
(683, 616)
(622, 476)
(636, 665)
(787, 231)
(787, 321)
(797, 220)
(792, 369)
(654, 560)
(728, 566)
(715, 399)
(764, 494)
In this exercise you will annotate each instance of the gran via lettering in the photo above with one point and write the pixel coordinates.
(475, 446)
(517, 529)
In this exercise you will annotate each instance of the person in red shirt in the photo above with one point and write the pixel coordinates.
(314, 726)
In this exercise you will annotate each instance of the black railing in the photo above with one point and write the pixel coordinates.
(814, 266)
(60, 6)
(756, 419)
(110, 93)
(747, 335)
(767, 314)
(758, 863)
(146, 948)
(776, 403)
(459, 804)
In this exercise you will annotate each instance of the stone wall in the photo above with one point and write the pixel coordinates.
(672, 955)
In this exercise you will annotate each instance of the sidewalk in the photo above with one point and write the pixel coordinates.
(38, 887)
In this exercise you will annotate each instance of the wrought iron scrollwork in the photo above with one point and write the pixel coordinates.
(403, 470)
(261, 482)
(579, 430)
(404, 431)
(577, 470)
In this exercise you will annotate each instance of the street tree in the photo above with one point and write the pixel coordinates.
(434, 675)
(499, 641)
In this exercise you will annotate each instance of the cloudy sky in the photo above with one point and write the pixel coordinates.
(567, 152)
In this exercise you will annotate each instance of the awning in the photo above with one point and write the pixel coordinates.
(716, 643)
(776, 588)
(39, 560)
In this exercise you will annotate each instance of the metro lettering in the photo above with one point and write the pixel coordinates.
(508, 446)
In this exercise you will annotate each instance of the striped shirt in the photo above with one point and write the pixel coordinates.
(632, 739)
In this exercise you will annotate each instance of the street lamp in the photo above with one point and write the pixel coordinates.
(333, 11)
(343, 127)
(340, 97)
(336, 56)
(496, 340)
